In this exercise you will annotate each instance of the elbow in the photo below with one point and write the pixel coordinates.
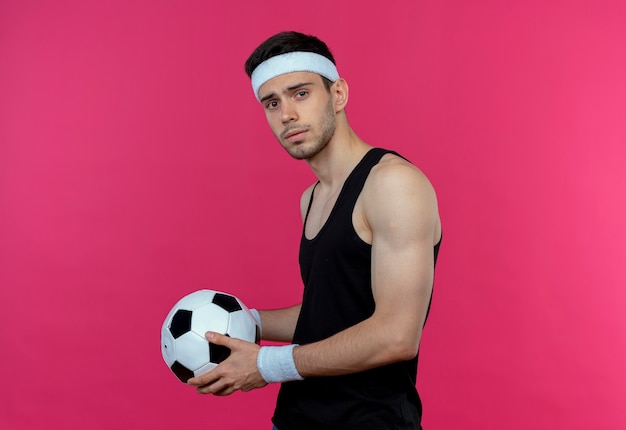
(408, 352)
(403, 348)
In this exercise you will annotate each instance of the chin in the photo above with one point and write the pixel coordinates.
(305, 152)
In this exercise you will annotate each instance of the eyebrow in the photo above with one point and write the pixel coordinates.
(287, 90)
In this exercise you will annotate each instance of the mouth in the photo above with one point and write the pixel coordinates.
(294, 135)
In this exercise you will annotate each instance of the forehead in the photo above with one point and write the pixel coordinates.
(282, 83)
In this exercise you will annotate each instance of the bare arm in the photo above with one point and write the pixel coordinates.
(279, 324)
(400, 208)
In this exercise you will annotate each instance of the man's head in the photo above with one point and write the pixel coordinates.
(295, 78)
(290, 51)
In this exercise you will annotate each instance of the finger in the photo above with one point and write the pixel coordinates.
(206, 389)
(218, 388)
(205, 379)
(217, 338)
(225, 392)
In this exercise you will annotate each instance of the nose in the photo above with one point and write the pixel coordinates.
(287, 112)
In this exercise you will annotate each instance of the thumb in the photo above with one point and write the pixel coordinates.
(217, 338)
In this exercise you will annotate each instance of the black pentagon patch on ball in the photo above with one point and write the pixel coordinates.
(181, 372)
(226, 302)
(181, 323)
(218, 353)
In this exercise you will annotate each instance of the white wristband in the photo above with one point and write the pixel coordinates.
(276, 364)
(257, 318)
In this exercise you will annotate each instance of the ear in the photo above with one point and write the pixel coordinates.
(340, 92)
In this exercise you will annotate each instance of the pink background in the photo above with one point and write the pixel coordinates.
(136, 167)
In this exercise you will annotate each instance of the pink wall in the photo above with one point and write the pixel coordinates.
(136, 166)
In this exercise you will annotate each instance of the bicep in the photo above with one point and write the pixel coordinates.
(402, 278)
(402, 214)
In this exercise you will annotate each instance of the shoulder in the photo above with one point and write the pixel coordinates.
(395, 176)
(306, 198)
(399, 195)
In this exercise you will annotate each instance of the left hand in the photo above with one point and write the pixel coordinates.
(238, 372)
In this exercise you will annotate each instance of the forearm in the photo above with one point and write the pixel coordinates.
(369, 344)
(279, 324)
(392, 334)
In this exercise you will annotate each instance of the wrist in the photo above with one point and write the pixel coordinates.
(276, 364)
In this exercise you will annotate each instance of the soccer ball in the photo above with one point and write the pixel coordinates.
(183, 345)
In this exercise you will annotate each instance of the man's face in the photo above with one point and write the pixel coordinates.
(300, 112)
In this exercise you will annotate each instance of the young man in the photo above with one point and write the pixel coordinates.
(369, 245)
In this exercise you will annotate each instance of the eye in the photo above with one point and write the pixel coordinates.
(271, 105)
(301, 94)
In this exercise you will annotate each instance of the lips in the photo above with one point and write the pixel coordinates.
(294, 135)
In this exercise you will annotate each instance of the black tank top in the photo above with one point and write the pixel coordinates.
(336, 270)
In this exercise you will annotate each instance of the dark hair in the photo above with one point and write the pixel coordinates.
(282, 43)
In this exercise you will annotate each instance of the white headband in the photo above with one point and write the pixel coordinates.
(292, 62)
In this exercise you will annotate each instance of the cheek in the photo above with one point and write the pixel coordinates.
(275, 126)
(270, 120)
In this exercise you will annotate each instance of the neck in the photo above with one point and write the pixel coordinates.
(335, 162)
